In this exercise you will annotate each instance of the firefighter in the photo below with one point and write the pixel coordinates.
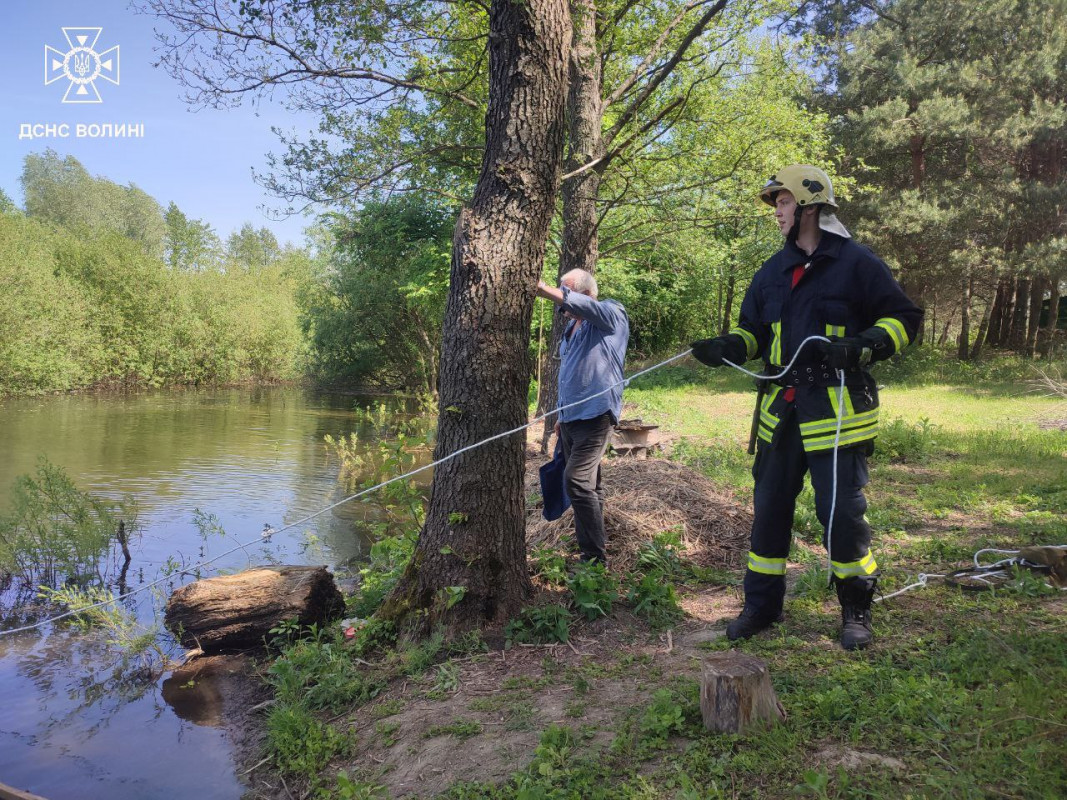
(820, 283)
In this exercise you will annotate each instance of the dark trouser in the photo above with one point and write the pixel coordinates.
(584, 442)
(779, 474)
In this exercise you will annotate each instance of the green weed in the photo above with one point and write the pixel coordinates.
(593, 589)
(301, 744)
(549, 565)
(459, 728)
(538, 625)
(654, 598)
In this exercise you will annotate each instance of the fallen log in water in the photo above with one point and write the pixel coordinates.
(236, 612)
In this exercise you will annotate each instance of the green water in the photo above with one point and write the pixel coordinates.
(68, 727)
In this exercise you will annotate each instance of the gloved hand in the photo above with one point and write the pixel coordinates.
(846, 352)
(712, 351)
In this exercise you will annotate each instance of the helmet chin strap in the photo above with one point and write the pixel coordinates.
(794, 229)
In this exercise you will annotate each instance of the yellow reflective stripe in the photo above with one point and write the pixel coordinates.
(822, 425)
(768, 399)
(847, 437)
(750, 341)
(768, 566)
(835, 392)
(896, 330)
(835, 330)
(764, 434)
(768, 419)
(776, 343)
(850, 569)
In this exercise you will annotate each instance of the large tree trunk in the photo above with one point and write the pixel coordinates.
(965, 320)
(1037, 299)
(728, 304)
(585, 145)
(474, 536)
(1048, 333)
(1017, 337)
(983, 328)
(996, 319)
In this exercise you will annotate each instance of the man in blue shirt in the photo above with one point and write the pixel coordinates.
(592, 353)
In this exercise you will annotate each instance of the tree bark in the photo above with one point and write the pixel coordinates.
(728, 304)
(996, 318)
(474, 535)
(965, 319)
(237, 612)
(1048, 334)
(1037, 299)
(984, 327)
(736, 693)
(1017, 337)
(585, 144)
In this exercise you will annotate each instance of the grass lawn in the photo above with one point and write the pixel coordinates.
(962, 694)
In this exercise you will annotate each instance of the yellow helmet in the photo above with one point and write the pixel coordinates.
(811, 187)
(808, 184)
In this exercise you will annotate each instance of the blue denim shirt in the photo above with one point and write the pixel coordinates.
(592, 356)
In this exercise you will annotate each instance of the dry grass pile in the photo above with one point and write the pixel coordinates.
(646, 497)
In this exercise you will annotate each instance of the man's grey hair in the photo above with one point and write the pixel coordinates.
(581, 281)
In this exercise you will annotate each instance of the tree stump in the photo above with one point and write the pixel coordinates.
(236, 612)
(736, 693)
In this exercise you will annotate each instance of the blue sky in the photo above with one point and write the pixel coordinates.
(201, 160)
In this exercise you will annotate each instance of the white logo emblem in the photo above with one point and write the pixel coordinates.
(81, 65)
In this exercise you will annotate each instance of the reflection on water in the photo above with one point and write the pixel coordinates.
(75, 721)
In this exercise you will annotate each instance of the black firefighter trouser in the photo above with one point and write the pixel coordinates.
(779, 475)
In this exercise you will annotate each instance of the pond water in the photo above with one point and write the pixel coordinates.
(72, 723)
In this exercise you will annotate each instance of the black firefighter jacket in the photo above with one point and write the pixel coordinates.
(845, 290)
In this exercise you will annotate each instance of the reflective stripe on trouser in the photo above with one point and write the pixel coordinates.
(779, 476)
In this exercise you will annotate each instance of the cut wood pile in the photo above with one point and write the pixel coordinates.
(645, 498)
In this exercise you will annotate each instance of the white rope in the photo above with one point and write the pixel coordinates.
(924, 579)
(837, 439)
(268, 532)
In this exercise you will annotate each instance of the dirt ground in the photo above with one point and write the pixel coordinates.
(513, 695)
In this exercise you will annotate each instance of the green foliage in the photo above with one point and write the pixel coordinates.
(549, 565)
(301, 744)
(593, 589)
(903, 442)
(660, 554)
(349, 789)
(319, 673)
(538, 625)
(459, 728)
(61, 191)
(376, 318)
(374, 634)
(388, 558)
(663, 717)
(53, 531)
(87, 306)
(418, 656)
(653, 597)
(140, 646)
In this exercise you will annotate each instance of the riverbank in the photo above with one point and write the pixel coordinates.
(952, 700)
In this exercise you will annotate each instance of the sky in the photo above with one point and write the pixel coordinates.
(201, 160)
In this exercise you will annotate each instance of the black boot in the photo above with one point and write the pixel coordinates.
(764, 596)
(750, 622)
(856, 596)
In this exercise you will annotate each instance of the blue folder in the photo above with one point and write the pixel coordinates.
(553, 488)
